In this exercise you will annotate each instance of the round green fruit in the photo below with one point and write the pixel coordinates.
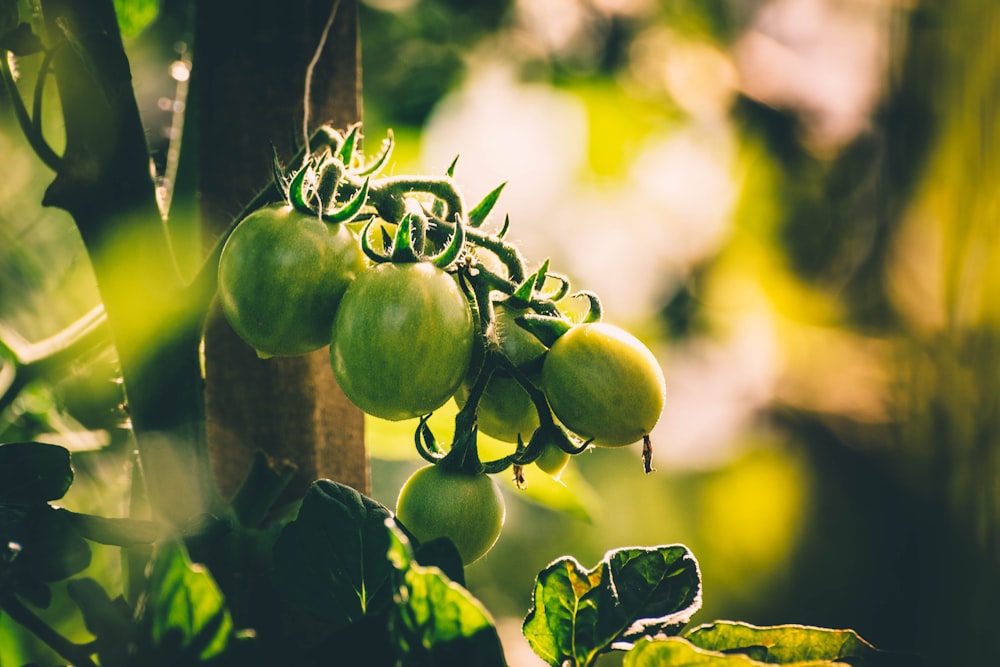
(604, 384)
(519, 345)
(553, 460)
(505, 409)
(467, 509)
(281, 276)
(402, 340)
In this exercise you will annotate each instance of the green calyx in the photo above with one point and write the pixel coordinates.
(409, 243)
(333, 182)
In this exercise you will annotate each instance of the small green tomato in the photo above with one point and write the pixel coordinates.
(467, 509)
(604, 384)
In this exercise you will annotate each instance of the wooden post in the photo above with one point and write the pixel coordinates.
(251, 58)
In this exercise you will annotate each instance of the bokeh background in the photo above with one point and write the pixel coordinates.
(794, 203)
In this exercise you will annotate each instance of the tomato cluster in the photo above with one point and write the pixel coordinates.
(424, 305)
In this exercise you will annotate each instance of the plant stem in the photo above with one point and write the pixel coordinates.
(76, 654)
(30, 129)
(103, 181)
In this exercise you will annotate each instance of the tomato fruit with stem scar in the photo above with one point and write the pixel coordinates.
(604, 384)
(282, 274)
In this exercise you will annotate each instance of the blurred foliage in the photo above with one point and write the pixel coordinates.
(413, 56)
(873, 262)
(134, 15)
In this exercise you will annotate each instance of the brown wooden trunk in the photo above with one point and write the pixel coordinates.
(250, 64)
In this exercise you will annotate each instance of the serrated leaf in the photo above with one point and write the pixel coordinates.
(678, 652)
(789, 644)
(561, 624)
(577, 614)
(34, 472)
(183, 618)
(659, 589)
(435, 621)
(331, 560)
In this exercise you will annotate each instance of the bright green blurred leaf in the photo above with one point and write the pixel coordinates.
(33, 472)
(331, 560)
(184, 619)
(677, 652)
(435, 621)
(570, 494)
(134, 15)
(578, 614)
(788, 644)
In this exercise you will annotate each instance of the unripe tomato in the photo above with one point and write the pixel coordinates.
(505, 409)
(517, 343)
(467, 509)
(282, 274)
(604, 384)
(553, 460)
(402, 340)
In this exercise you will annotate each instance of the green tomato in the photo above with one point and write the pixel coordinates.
(553, 460)
(604, 384)
(467, 509)
(519, 345)
(402, 340)
(505, 409)
(282, 274)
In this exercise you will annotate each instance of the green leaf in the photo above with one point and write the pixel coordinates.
(577, 614)
(331, 560)
(658, 590)
(442, 553)
(677, 652)
(561, 623)
(435, 621)
(183, 618)
(108, 620)
(789, 644)
(34, 472)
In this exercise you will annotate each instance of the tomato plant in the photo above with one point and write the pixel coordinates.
(552, 459)
(505, 409)
(209, 580)
(467, 509)
(604, 384)
(281, 275)
(402, 340)
(520, 346)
